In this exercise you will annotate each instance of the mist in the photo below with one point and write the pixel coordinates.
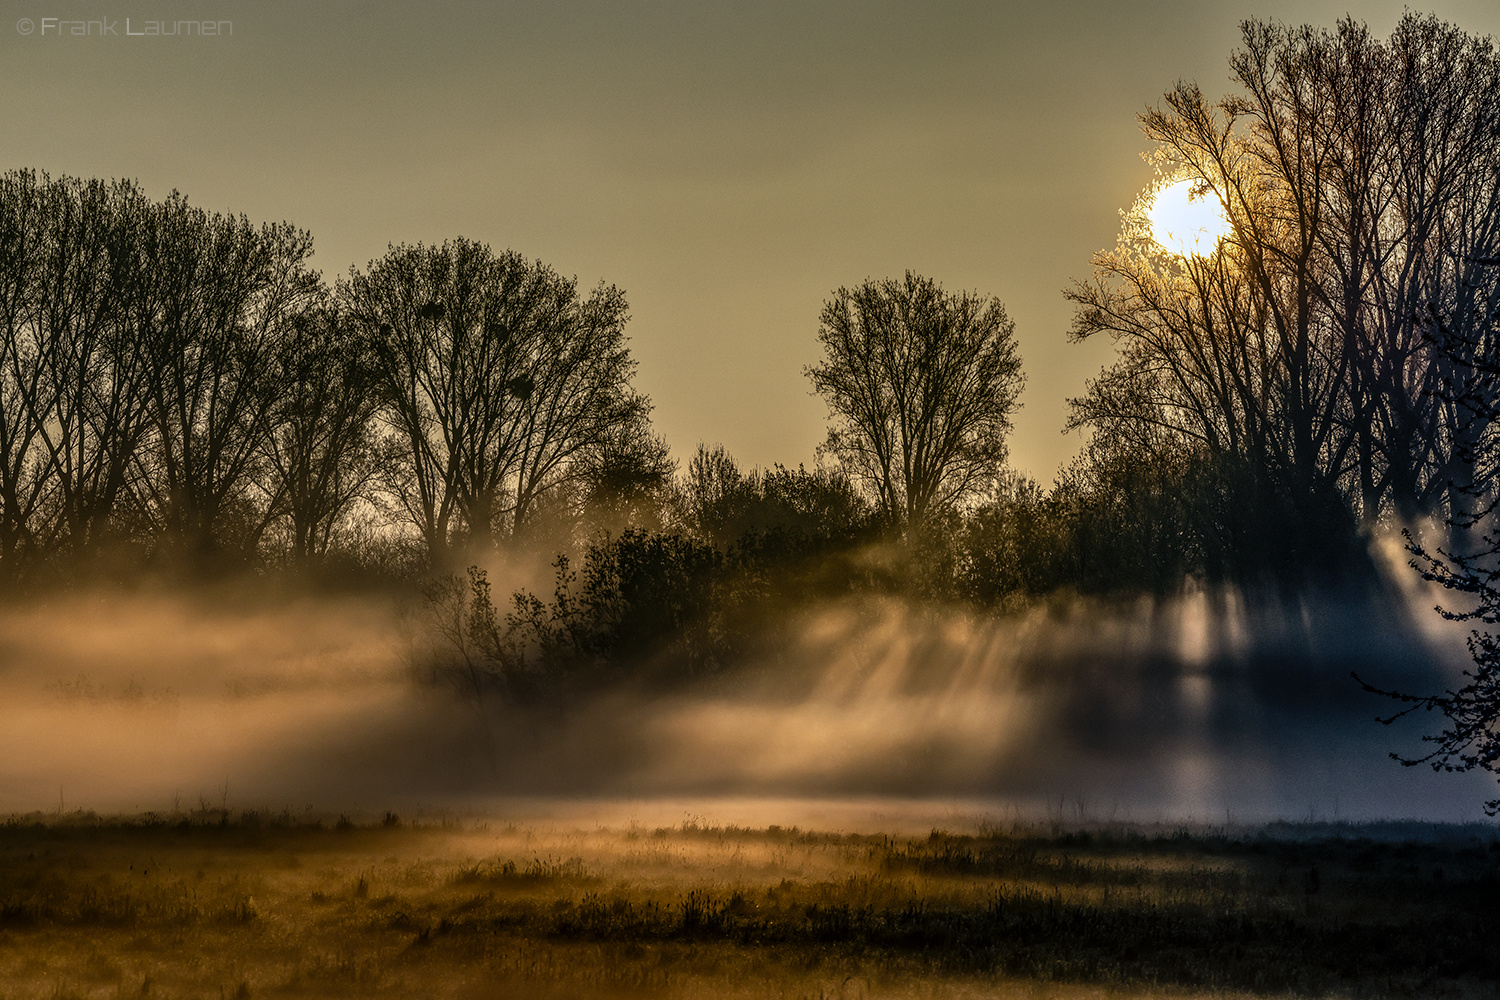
(1204, 708)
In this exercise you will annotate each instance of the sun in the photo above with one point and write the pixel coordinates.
(1187, 225)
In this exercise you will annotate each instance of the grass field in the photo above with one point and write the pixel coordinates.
(252, 905)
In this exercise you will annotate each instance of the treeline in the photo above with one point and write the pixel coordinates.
(733, 556)
(178, 388)
(141, 366)
(1324, 372)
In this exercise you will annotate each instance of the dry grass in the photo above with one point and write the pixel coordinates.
(264, 906)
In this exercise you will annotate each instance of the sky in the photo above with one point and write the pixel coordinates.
(728, 164)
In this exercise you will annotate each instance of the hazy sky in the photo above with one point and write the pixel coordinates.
(727, 164)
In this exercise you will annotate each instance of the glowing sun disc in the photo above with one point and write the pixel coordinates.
(1187, 225)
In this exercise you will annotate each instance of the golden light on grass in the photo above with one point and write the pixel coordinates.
(1187, 224)
(276, 904)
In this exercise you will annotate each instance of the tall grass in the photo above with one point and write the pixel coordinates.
(262, 905)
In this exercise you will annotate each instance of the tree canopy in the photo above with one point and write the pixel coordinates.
(499, 378)
(920, 385)
(1310, 356)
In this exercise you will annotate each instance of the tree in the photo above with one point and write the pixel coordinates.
(1472, 737)
(1461, 320)
(496, 376)
(137, 369)
(22, 485)
(1303, 355)
(323, 455)
(720, 504)
(624, 481)
(920, 386)
(89, 338)
(1335, 358)
(1023, 542)
(221, 298)
(715, 496)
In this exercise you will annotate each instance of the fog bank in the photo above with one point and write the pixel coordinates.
(1200, 708)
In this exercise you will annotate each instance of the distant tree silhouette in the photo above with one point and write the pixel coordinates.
(89, 331)
(1020, 544)
(720, 504)
(715, 495)
(174, 382)
(625, 481)
(221, 302)
(920, 385)
(23, 406)
(498, 377)
(137, 371)
(324, 455)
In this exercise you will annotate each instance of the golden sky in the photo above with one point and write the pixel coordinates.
(728, 164)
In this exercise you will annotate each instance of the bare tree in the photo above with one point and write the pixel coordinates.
(323, 454)
(496, 375)
(221, 298)
(89, 398)
(1307, 349)
(22, 485)
(1225, 350)
(920, 385)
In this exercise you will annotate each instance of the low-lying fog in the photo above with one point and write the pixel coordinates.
(1193, 709)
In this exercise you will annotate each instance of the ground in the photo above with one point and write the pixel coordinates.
(255, 904)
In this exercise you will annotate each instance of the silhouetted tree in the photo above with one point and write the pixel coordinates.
(1300, 354)
(90, 334)
(1145, 518)
(498, 378)
(719, 503)
(324, 456)
(1022, 543)
(625, 481)
(1472, 709)
(822, 504)
(920, 384)
(221, 299)
(714, 495)
(22, 410)
(645, 600)
(1462, 321)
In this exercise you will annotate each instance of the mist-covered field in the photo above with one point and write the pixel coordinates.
(382, 633)
(206, 902)
(264, 793)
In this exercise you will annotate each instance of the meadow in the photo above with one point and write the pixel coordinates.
(215, 903)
